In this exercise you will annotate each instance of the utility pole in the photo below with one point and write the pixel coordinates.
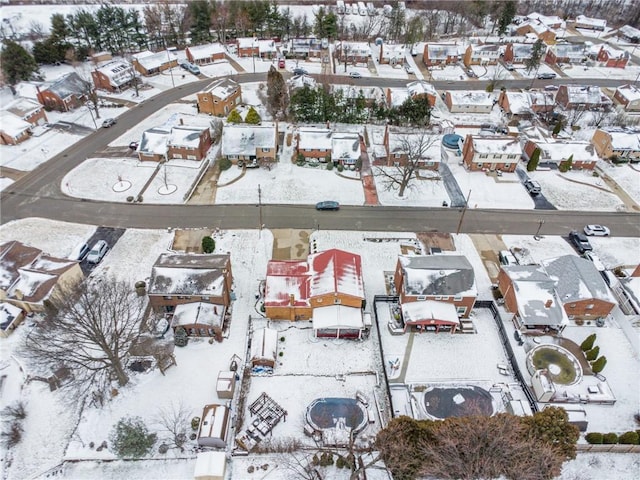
(464, 210)
(260, 206)
(537, 235)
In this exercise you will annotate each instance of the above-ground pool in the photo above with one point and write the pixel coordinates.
(324, 413)
(461, 401)
(560, 364)
(451, 140)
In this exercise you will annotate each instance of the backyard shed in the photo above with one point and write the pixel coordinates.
(213, 426)
(263, 347)
(226, 384)
(210, 466)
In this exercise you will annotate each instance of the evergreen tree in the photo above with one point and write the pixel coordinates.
(551, 426)
(416, 110)
(588, 342)
(326, 25)
(507, 13)
(532, 165)
(130, 438)
(200, 14)
(234, 117)
(59, 28)
(17, 63)
(599, 364)
(252, 117)
(593, 353)
(277, 94)
(533, 62)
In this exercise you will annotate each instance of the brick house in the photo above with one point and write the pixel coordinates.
(399, 143)
(153, 145)
(623, 143)
(248, 47)
(530, 294)
(611, 57)
(580, 287)
(352, 52)
(579, 96)
(517, 53)
(188, 142)
(27, 110)
(469, 101)
(294, 289)
(346, 148)
(629, 34)
(205, 54)
(565, 53)
(396, 96)
(13, 130)
(558, 152)
(220, 98)
(549, 21)
(66, 93)
(148, 63)
(482, 54)
(114, 76)
(442, 278)
(314, 143)
(304, 47)
(249, 143)
(441, 54)
(538, 29)
(525, 104)
(628, 96)
(492, 152)
(390, 54)
(29, 278)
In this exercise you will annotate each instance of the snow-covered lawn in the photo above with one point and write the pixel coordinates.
(218, 69)
(5, 183)
(576, 190)
(389, 71)
(523, 72)
(581, 71)
(449, 72)
(251, 96)
(625, 176)
(489, 191)
(492, 72)
(426, 191)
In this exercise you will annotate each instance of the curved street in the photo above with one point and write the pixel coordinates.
(38, 194)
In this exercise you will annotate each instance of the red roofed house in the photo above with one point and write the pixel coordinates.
(328, 288)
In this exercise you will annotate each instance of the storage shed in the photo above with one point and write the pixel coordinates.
(263, 347)
(213, 426)
(210, 466)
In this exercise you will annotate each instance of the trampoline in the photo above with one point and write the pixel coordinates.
(457, 401)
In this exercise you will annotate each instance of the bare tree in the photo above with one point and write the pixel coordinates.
(174, 421)
(575, 114)
(413, 149)
(89, 330)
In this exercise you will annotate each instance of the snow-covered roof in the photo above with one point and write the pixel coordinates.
(198, 313)
(345, 146)
(502, 144)
(200, 52)
(68, 85)
(13, 256)
(30, 282)
(536, 296)
(420, 87)
(551, 21)
(223, 88)
(247, 42)
(315, 138)
(624, 138)
(214, 422)
(471, 97)
(581, 94)
(486, 50)
(152, 61)
(264, 345)
(610, 51)
(22, 107)
(403, 140)
(154, 141)
(118, 72)
(561, 150)
(210, 465)
(522, 50)
(300, 81)
(189, 274)
(445, 275)
(577, 279)
(596, 22)
(536, 26)
(355, 91)
(185, 136)
(429, 311)
(356, 48)
(8, 313)
(244, 140)
(287, 283)
(266, 46)
(397, 96)
(337, 316)
(572, 51)
(441, 51)
(13, 125)
(629, 92)
(629, 31)
(392, 51)
(336, 271)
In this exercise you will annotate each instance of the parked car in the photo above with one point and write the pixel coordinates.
(109, 122)
(579, 241)
(546, 76)
(533, 187)
(327, 205)
(194, 69)
(509, 66)
(98, 251)
(281, 63)
(355, 75)
(80, 252)
(471, 73)
(299, 71)
(596, 230)
(408, 69)
(596, 261)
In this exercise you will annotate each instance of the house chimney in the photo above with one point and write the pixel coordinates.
(181, 121)
(292, 300)
(548, 303)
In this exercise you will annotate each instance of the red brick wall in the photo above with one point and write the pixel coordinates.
(579, 309)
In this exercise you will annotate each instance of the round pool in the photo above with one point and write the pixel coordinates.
(560, 364)
(462, 401)
(451, 140)
(324, 413)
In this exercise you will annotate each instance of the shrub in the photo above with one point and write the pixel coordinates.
(599, 364)
(224, 164)
(280, 354)
(629, 438)
(593, 353)
(329, 166)
(490, 87)
(533, 161)
(359, 164)
(340, 462)
(595, 438)
(252, 117)
(17, 411)
(282, 339)
(208, 244)
(195, 423)
(234, 117)
(588, 343)
(12, 436)
(315, 461)
(610, 438)
(340, 167)
(130, 438)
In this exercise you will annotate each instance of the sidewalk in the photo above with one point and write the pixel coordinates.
(366, 174)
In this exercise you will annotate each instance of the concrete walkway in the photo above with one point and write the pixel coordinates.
(12, 173)
(366, 175)
(629, 202)
(405, 359)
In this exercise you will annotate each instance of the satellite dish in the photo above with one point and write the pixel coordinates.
(379, 41)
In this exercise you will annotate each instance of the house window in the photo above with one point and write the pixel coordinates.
(590, 306)
(428, 164)
(479, 165)
(265, 150)
(396, 155)
(438, 297)
(461, 310)
(457, 298)
(206, 299)
(177, 155)
(421, 298)
(511, 157)
(484, 155)
(507, 166)
(191, 157)
(205, 99)
(169, 297)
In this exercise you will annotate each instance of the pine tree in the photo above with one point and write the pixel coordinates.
(588, 342)
(567, 164)
(17, 63)
(593, 353)
(234, 117)
(277, 94)
(599, 364)
(533, 62)
(533, 161)
(506, 16)
(252, 117)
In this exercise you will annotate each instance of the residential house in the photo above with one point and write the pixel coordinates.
(580, 287)
(66, 93)
(611, 57)
(314, 143)
(205, 54)
(114, 76)
(249, 143)
(558, 152)
(188, 142)
(267, 48)
(10, 317)
(491, 152)
(352, 52)
(13, 130)
(390, 54)
(421, 88)
(518, 53)
(248, 47)
(29, 278)
(549, 21)
(524, 105)
(621, 143)
(629, 96)
(469, 101)
(440, 278)
(300, 81)
(220, 98)
(430, 314)
(27, 109)
(148, 63)
(539, 29)
(488, 54)
(402, 145)
(304, 47)
(295, 288)
(371, 95)
(441, 54)
(345, 148)
(588, 23)
(629, 34)
(194, 289)
(530, 294)
(153, 144)
(589, 97)
(565, 53)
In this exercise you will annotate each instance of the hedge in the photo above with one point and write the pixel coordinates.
(595, 438)
(610, 438)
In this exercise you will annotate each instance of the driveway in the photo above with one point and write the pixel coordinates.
(539, 201)
(110, 235)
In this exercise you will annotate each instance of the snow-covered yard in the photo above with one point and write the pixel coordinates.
(582, 71)
(625, 176)
(449, 72)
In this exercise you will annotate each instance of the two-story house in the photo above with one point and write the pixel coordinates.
(114, 76)
(524, 105)
(482, 54)
(17, 118)
(188, 142)
(491, 152)
(314, 143)
(539, 29)
(402, 144)
(588, 97)
(220, 98)
(517, 53)
(558, 152)
(352, 52)
(249, 143)
(469, 101)
(66, 93)
(565, 53)
(436, 54)
(629, 97)
(248, 47)
(622, 143)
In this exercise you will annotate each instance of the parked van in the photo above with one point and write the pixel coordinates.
(281, 63)
(533, 187)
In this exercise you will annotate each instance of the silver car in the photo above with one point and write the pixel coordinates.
(98, 251)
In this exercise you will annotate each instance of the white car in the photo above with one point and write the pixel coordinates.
(596, 231)
(98, 251)
(408, 69)
(355, 75)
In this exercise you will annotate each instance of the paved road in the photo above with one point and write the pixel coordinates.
(38, 194)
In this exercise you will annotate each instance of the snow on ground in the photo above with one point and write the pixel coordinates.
(26, 156)
(492, 72)
(522, 71)
(168, 78)
(489, 191)
(576, 190)
(601, 466)
(251, 96)
(546, 247)
(581, 71)
(625, 176)
(288, 183)
(389, 71)
(426, 191)
(440, 112)
(449, 72)
(218, 69)
(5, 183)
